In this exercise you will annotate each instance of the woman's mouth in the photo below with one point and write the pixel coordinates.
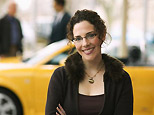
(88, 51)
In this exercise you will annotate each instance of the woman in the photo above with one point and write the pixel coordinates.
(90, 83)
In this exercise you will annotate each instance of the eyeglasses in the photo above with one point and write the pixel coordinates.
(88, 36)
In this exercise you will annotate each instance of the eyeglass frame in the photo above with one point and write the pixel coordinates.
(87, 36)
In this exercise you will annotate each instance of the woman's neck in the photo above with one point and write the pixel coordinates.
(93, 65)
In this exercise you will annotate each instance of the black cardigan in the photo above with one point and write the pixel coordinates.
(63, 88)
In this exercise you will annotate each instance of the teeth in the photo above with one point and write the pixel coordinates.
(88, 51)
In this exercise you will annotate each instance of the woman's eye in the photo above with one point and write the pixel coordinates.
(90, 35)
(78, 39)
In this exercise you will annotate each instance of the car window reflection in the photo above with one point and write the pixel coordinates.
(56, 60)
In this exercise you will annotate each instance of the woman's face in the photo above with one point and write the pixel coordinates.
(86, 41)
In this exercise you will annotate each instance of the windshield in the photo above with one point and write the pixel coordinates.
(48, 50)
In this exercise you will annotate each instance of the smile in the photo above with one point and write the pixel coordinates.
(88, 51)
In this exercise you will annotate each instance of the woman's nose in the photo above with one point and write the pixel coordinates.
(85, 42)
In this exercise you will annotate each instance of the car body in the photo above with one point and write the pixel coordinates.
(143, 87)
(27, 82)
(23, 86)
(10, 59)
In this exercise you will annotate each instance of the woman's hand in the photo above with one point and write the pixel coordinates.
(60, 110)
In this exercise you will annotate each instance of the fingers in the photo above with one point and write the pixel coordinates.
(60, 110)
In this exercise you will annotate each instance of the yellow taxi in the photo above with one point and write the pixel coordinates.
(10, 59)
(23, 86)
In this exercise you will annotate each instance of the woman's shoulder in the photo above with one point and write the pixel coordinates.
(59, 73)
(59, 69)
(126, 75)
(113, 67)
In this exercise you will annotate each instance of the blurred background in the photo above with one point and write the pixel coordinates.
(130, 25)
(129, 22)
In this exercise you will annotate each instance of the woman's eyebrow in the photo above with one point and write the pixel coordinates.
(90, 32)
(77, 36)
(85, 34)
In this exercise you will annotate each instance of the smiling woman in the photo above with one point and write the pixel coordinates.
(87, 47)
(89, 75)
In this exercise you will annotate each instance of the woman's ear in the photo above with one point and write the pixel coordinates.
(104, 37)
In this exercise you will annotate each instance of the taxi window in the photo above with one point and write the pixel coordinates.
(58, 58)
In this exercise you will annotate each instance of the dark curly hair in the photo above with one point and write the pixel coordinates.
(90, 16)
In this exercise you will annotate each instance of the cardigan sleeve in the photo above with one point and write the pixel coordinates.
(125, 103)
(55, 91)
